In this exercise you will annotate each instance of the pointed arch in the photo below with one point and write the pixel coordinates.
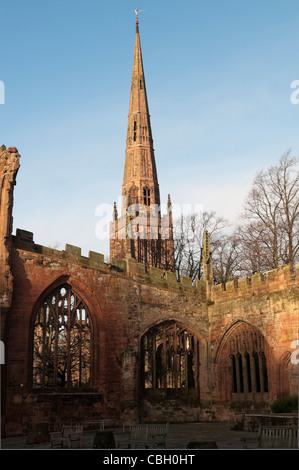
(134, 198)
(242, 363)
(147, 196)
(170, 357)
(62, 333)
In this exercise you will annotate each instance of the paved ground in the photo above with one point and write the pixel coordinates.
(178, 437)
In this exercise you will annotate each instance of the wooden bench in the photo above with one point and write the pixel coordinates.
(275, 437)
(68, 435)
(148, 436)
(98, 423)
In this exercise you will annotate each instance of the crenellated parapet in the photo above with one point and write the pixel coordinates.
(23, 240)
(275, 280)
(129, 268)
(271, 281)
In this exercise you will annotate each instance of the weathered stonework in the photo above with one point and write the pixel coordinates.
(159, 349)
(151, 238)
(125, 302)
(9, 166)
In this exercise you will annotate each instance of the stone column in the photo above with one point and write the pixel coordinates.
(130, 393)
(238, 372)
(261, 372)
(253, 373)
(245, 376)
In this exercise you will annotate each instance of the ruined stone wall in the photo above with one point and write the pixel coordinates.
(9, 165)
(269, 304)
(124, 302)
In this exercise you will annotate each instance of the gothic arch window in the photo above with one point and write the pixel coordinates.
(244, 361)
(169, 358)
(134, 194)
(62, 339)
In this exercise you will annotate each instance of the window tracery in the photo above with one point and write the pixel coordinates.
(62, 341)
(248, 360)
(169, 357)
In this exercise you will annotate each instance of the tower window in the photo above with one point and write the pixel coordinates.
(140, 84)
(134, 195)
(146, 196)
(135, 128)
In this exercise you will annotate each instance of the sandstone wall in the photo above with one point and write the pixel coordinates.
(9, 166)
(125, 302)
(122, 308)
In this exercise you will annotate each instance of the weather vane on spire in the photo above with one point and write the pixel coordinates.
(137, 11)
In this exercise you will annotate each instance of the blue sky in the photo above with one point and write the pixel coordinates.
(218, 78)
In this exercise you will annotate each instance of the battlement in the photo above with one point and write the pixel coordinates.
(274, 280)
(23, 240)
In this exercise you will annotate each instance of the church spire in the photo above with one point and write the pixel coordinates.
(141, 232)
(138, 98)
(140, 182)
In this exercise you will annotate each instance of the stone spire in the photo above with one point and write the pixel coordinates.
(140, 182)
(141, 232)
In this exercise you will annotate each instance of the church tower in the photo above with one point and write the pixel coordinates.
(141, 232)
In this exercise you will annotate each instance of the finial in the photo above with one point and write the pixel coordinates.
(115, 214)
(206, 246)
(137, 11)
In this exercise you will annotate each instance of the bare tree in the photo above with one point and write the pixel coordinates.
(266, 237)
(188, 240)
(262, 208)
(269, 232)
(286, 175)
(226, 258)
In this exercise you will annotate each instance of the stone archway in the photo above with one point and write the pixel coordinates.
(170, 369)
(243, 365)
(170, 358)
